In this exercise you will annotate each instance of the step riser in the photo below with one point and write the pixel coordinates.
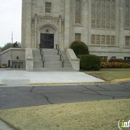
(52, 61)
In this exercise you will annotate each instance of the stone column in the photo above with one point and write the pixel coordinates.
(23, 24)
(121, 27)
(89, 23)
(28, 24)
(85, 17)
(60, 43)
(35, 31)
(117, 22)
(67, 24)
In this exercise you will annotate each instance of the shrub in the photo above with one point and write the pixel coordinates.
(4, 65)
(114, 65)
(80, 48)
(119, 60)
(89, 62)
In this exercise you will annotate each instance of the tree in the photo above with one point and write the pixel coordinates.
(10, 45)
(6, 46)
(17, 45)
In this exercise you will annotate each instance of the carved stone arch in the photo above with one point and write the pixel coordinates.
(48, 29)
(47, 25)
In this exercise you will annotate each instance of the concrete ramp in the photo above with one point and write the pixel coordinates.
(15, 82)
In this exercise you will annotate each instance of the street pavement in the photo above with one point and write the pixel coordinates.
(15, 97)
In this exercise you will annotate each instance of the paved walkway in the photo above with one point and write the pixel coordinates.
(4, 126)
(22, 77)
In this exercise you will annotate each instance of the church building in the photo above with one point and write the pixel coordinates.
(50, 26)
(103, 25)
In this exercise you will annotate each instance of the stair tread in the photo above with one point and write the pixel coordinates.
(52, 61)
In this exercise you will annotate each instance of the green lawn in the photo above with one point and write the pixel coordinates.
(110, 74)
(99, 115)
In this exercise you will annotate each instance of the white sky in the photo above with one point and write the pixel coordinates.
(10, 21)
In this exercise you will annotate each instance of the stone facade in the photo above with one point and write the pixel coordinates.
(13, 58)
(104, 25)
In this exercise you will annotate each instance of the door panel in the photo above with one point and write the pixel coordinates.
(47, 41)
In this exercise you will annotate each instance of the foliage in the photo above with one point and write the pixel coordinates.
(89, 62)
(80, 48)
(16, 45)
(10, 45)
(4, 65)
(114, 65)
(7, 46)
(119, 60)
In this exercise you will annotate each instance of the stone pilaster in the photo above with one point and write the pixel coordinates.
(23, 24)
(28, 24)
(117, 24)
(89, 21)
(121, 26)
(60, 43)
(85, 17)
(36, 42)
(67, 24)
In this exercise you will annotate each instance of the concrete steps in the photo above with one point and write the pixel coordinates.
(52, 61)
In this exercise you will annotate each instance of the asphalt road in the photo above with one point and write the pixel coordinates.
(15, 97)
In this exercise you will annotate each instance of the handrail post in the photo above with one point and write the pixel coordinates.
(60, 57)
(60, 54)
(43, 63)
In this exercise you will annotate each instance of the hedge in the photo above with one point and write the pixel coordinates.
(119, 60)
(80, 48)
(89, 62)
(114, 65)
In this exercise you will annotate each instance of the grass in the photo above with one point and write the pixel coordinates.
(99, 115)
(110, 74)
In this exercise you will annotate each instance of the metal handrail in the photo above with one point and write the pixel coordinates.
(60, 54)
(42, 57)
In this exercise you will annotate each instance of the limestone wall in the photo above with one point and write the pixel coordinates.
(65, 25)
(12, 54)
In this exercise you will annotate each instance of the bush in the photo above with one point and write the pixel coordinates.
(114, 65)
(89, 62)
(4, 66)
(80, 48)
(119, 60)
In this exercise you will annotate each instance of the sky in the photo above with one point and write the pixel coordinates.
(10, 21)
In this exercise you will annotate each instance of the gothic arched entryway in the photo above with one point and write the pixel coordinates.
(48, 37)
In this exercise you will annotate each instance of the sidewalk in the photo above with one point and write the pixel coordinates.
(4, 126)
(22, 78)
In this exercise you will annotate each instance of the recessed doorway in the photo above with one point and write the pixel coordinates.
(47, 41)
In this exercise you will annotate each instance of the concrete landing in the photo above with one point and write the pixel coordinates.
(22, 78)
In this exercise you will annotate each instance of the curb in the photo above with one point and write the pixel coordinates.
(121, 80)
(73, 83)
(79, 83)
